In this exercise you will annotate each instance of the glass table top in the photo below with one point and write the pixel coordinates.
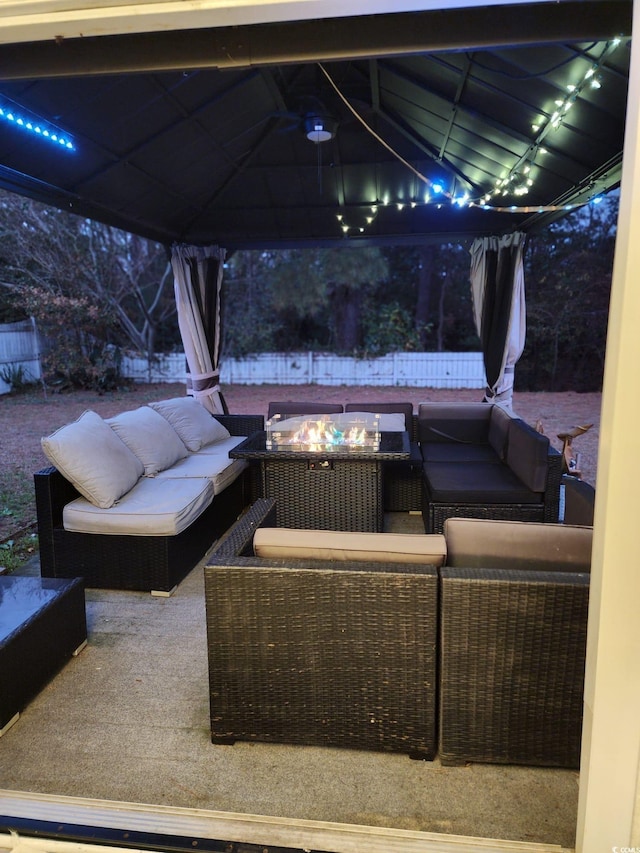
(21, 598)
(393, 445)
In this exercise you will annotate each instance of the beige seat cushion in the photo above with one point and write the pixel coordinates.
(193, 423)
(216, 466)
(154, 507)
(481, 543)
(92, 457)
(288, 543)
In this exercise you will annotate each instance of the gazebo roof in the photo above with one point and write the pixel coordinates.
(443, 124)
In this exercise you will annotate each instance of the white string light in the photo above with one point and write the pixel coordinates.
(519, 180)
(359, 227)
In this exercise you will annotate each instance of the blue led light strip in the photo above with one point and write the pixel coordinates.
(33, 125)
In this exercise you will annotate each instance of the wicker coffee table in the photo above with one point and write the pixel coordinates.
(42, 624)
(337, 490)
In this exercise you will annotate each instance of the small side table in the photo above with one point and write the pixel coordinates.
(42, 624)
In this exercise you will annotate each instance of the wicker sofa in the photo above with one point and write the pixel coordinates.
(135, 501)
(378, 641)
(480, 461)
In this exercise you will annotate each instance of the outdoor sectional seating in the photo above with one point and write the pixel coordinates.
(481, 461)
(579, 501)
(135, 501)
(471, 643)
(467, 460)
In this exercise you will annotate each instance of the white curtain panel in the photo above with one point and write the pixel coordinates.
(197, 275)
(500, 390)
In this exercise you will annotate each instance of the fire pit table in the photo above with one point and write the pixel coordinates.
(327, 475)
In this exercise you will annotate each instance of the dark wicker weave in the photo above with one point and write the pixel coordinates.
(146, 563)
(340, 490)
(347, 496)
(247, 425)
(242, 424)
(35, 650)
(402, 479)
(435, 513)
(238, 540)
(320, 653)
(512, 656)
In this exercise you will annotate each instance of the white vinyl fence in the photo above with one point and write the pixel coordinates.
(19, 353)
(415, 369)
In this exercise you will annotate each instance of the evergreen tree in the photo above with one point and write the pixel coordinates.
(568, 282)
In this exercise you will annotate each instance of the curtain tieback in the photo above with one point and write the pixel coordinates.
(206, 392)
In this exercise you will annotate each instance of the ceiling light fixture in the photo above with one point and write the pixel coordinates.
(319, 129)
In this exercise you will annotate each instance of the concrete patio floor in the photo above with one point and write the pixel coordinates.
(128, 720)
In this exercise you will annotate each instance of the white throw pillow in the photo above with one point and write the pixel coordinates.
(193, 423)
(92, 457)
(152, 438)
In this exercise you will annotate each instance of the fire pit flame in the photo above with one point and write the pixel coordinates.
(317, 432)
(324, 433)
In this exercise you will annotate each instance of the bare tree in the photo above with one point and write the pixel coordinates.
(109, 287)
(135, 283)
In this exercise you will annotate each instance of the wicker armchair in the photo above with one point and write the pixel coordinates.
(513, 644)
(319, 653)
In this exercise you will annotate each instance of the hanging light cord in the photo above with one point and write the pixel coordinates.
(422, 177)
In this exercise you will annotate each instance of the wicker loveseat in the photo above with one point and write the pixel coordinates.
(334, 639)
(135, 501)
(480, 461)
